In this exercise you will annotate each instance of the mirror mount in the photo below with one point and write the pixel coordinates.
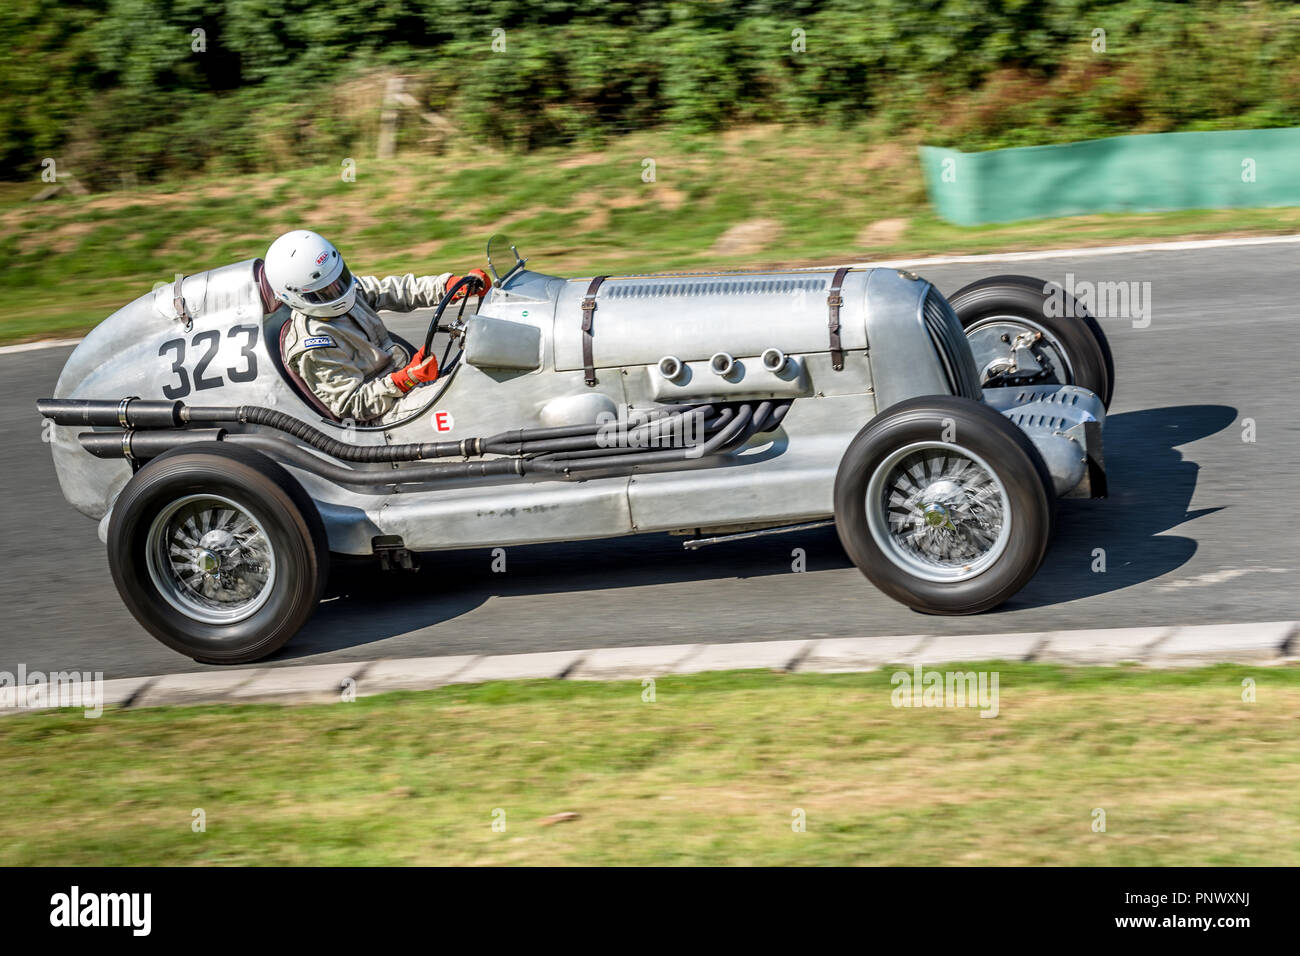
(494, 245)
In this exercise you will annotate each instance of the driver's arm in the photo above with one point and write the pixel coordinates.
(402, 293)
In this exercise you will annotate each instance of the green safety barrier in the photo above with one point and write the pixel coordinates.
(1150, 173)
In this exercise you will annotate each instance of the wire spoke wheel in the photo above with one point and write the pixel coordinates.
(939, 511)
(210, 559)
(218, 552)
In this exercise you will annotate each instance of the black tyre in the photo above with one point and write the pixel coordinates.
(218, 552)
(1070, 347)
(944, 505)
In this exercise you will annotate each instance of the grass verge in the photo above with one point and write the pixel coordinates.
(753, 196)
(711, 772)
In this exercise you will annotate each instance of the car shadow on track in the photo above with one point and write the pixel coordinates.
(1151, 488)
(363, 604)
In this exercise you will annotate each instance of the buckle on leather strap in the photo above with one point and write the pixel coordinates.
(833, 302)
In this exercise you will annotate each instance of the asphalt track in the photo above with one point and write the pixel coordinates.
(1201, 526)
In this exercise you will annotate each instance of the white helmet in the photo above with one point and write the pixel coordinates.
(306, 271)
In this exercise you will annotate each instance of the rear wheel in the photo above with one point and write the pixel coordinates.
(218, 552)
(1023, 332)
(944, 505)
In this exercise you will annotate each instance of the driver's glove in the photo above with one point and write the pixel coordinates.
(484, 283)
(419, 371)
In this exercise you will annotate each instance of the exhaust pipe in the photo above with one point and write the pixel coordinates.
(121, 413)
(140, 446)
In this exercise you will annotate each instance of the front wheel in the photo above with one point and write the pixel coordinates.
(944, 505)
(218, 552)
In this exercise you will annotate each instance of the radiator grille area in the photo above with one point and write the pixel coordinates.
(950, 343)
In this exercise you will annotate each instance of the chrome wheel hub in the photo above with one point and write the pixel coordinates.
(938, 511)
(207, 562)
(936, 516)
(210, 559)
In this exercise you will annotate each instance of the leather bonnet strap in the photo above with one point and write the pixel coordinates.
(833, 302)
(588, 312)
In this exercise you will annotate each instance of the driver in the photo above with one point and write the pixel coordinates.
(337, 342)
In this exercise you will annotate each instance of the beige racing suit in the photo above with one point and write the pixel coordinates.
(347, 359)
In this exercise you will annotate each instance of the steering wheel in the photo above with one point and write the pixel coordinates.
(455, 329)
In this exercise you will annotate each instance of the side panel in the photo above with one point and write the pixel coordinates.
(780, 477)
(777, 477)
(481, 402)
(505, 513)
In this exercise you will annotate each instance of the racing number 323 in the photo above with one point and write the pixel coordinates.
(209, 341)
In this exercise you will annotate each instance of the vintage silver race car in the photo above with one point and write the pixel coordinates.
(937, 434)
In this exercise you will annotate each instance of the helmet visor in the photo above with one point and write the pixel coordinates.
(332, 292)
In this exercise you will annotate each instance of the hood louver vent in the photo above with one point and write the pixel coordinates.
(700, 287)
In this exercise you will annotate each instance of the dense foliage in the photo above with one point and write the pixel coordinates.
(115, 88)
